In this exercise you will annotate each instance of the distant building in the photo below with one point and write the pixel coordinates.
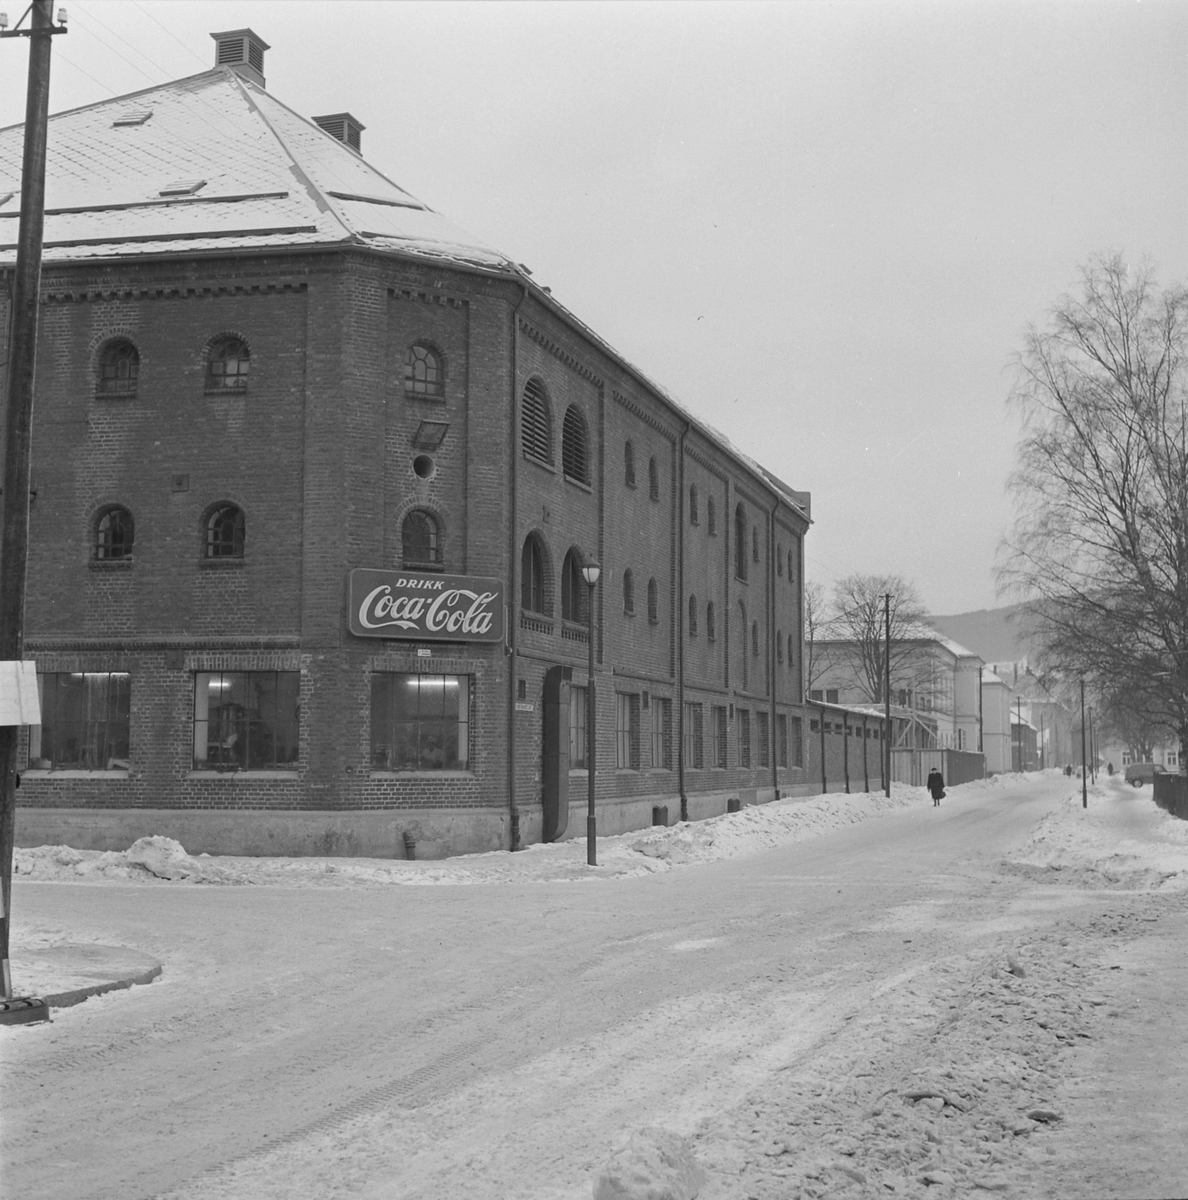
(997, 738)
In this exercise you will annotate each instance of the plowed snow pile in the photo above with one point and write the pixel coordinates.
(760, 827)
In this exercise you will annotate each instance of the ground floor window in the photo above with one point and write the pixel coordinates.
(694, 737)
(577, 729)
(246, 720)
(627, 731)
(744, 737)
(420, 722)
(797, 748)
(720, 736)
(84, 720)
(781, 740)
(764, 732)
(662, 733)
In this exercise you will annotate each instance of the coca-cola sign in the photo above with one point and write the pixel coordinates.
(422, 607)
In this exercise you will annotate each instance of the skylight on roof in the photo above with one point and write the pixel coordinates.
(137, 117)
(5, 197)
(183, 187)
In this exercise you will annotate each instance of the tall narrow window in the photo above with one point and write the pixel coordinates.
(628, 591)
(744, 658)
(692, 616)
(246, 720)
(84, 721)
(755, 639)
(781, 740)
(627, 731)
(764, 732)
(780, 561)
(740, 542)
(420, 542)
(755, 543)
(662, 733)
(796, 750)
(779, 647)
(653, 480)
(575, 459)
(114, 535)
(574, 606)
(420, 722)
(423, 374)
(744, 738)
(577, 729)
(694, 736)
(532, 577)
(224, 533)
(227, 366)
(693, 518)
(653, 602)
(119, 369)
(629, 465)
(720, 737)
(711, 630)
(711, 516)
(536, 422)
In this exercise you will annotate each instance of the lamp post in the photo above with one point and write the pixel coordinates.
(590, 572)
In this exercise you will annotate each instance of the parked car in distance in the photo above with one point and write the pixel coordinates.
(1140, 773)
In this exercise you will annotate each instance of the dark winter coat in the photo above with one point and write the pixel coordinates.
(936, 784)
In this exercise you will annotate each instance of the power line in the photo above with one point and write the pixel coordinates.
(188, 49)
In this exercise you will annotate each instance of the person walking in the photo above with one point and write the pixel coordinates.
(936, 785)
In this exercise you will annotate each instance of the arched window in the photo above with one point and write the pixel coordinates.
(779, 646)
(693, 504)
(119, 368)
(114, 534)
(755, 542)
(653, 602)
(692, 616)
(573, 589)
(755, 638)
(420, 543)
(227, 365)
(536, 422)
(711, 516)
(224, 532)
(629, 465)
(740, 542)
(423, 373)
(653, 480)
(575, 458)
(628, 591)
(532, 577)
(711, 631)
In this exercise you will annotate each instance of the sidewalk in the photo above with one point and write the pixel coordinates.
(68, 974)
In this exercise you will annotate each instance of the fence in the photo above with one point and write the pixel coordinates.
(957, 766)
(1171, 793)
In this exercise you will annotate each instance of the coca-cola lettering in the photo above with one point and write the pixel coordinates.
(391, 605)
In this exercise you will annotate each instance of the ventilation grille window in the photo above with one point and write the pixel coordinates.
(255, 55)
(231, 51)
(334, 129)
(574, 459)
(352, 137)
(536, 435)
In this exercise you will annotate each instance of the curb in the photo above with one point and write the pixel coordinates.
(78, 995)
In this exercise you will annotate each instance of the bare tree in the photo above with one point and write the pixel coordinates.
(1100, 543)
(815, 616)
(859, 627)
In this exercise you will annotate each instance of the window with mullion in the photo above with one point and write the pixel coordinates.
(85, 718)
(420, 722)
(246, 720)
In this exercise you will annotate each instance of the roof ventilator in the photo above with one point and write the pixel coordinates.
(242, 51)
(344, 128)
(183, 187)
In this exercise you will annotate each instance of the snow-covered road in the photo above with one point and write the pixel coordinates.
(327, 1033)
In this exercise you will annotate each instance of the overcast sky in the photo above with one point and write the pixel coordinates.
(821, 226)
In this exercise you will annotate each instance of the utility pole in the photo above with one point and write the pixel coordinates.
(887, 685)
(1092, 745)
(18, 418)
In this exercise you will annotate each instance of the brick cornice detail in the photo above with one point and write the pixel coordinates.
(556, 351)
(84, 295)
(712, 467)
(426, 297)
(646, 417)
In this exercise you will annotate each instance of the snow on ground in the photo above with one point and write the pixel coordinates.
(641, 852)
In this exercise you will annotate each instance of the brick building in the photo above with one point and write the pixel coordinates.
(314, 475)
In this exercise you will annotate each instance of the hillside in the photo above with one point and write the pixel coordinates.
(996, 634)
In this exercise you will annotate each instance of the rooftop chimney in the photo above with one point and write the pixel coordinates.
(345, 128)
(243, 51)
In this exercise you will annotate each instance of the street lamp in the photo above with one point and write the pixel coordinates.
(590, 572)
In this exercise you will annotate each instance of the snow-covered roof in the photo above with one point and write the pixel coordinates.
(214, 163)
(988, 676)
(915, 632)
